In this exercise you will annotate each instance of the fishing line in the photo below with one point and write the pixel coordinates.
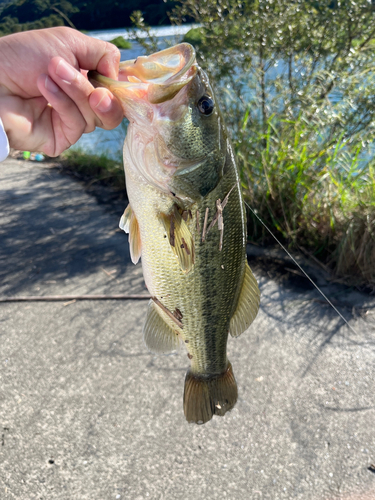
(301, 269)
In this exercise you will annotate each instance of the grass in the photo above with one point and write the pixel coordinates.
(94, 168)
(296, 83)
(322, 201)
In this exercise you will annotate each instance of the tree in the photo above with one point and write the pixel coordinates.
(35, 14)
(297, 85)
(31, 14)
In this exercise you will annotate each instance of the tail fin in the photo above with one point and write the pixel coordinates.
(208, 396)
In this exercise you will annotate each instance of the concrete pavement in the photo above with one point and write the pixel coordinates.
(86, 412)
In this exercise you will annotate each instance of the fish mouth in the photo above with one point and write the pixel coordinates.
(156, 78)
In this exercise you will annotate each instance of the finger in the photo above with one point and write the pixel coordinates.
(63, 117)
(98, 107)
(106, 107)
(91, 53)
(77, 87)
(33, 50)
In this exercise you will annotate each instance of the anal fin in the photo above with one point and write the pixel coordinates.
(180, 239)
(248, 304)
(158, 334)
(129, 224)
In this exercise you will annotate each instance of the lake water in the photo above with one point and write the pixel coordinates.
(110, 141)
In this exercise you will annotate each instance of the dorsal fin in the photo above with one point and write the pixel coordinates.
(129, 224)
(248, 304)
(158, 335)
(180, 239)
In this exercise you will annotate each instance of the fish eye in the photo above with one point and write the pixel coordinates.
(206, 105)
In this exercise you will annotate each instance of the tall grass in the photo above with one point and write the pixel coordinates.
(296, 81)
(322, 201)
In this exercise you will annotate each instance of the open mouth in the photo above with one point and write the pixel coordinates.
(157, 77)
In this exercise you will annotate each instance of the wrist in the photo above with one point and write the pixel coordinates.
(6, 113)
(4, 143)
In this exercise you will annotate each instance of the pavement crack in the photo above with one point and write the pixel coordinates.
(5, 429)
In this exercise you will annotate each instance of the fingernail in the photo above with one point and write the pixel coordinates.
(50, 85)
(104, 104)
(66, 72)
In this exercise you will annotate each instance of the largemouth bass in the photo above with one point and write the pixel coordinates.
(186, 220)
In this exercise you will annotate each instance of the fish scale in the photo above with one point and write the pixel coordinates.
(179, 163)
(209, 291)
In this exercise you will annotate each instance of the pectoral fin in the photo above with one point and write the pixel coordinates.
(129, 224)
(158, 335)
(248, 304)
(180, 239)
(125, 219)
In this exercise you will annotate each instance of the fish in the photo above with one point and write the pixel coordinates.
(186, 220)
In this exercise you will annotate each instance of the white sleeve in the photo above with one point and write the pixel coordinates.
(4, 144)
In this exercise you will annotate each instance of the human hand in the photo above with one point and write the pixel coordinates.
(46, 101)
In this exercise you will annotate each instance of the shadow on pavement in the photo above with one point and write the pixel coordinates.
(90, 413)
(53, 231)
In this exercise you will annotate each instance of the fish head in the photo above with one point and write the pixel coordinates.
(176, 137)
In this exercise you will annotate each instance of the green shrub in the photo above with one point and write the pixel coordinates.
(195, 37)
(296, 83)
(121, 43)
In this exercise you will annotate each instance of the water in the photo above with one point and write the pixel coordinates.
(159, 32)
(110, 142)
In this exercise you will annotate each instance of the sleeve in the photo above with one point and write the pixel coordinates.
(4, 144)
